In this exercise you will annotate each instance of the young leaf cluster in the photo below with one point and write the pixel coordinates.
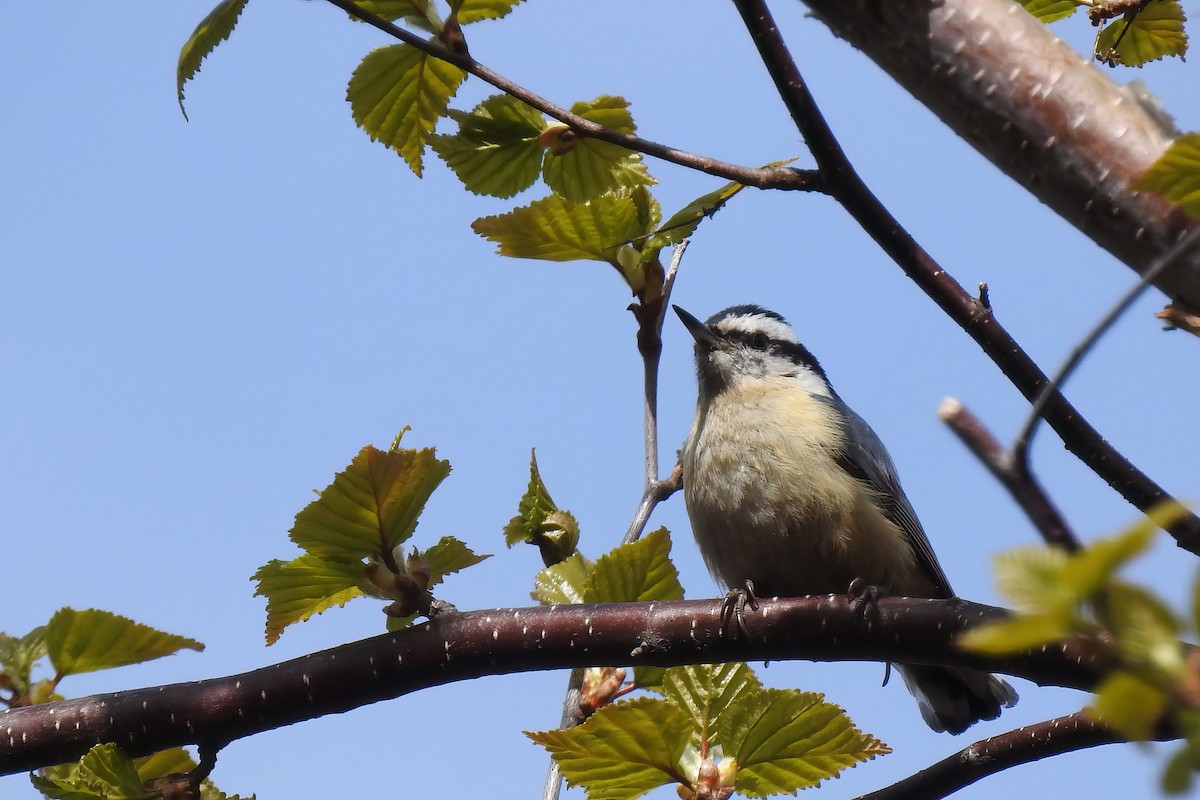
(1132, 32)
(353, 537)
(105, 772)
(1058, 595)
(714, 731)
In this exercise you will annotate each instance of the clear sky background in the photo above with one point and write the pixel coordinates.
(201, 322)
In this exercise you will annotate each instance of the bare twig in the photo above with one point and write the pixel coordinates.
(501, 641)
(759, 177)
(847, 188)
(988, 756)
(1025, 489)
(1021, 445)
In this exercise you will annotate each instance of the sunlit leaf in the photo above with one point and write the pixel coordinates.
(398, 93)
(88, 640)
(707, 693)
(1017, 634)
(18, 655)
(372, 506)
(212, 30)
(1030, 578)
(1087, 571)
(299, 589)
(104, 773)
(591, 167)
(556, 229)
(567, 581)
(786, 740)
(164, 762)
(1176, 174)
(1129, 704)
(623, 750)
(636, 572)
(1155, 32)
(532, 509)
(495, 150)
(448, 556)
(1050, 10)
(1145, 630)
(474, 10)
(683, 223)
(418, 13)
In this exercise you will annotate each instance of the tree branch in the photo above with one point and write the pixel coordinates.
(759, 177)
(974, 317)
(469, 645)
(1037, 110)
(988, 756)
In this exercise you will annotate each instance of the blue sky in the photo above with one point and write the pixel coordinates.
(202, 321)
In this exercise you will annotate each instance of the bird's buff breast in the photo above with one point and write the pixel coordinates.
(769, 504)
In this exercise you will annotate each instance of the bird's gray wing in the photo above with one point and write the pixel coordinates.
(865, 458)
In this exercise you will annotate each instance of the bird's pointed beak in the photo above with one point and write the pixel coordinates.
(699, 331)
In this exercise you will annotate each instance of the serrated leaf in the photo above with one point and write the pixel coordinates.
(1129, 704)
(556, 229)
(592, 167)
(89, 640)
(1050, 10)
(707, 692)
(1145, 631)
(1155, 32)
(398, 93)
(786, 740)
(1017, 634)
(418, 13)
(448, 556)
(683, 223)
(372, 506)
(564, 582)
(1176, 174)
(532, 508)
(623, 750)
(496, 150)
(104, 773)
(1029, 578)
(299, 589)
(18, 655)
(475, 10)
(636, 572)
(212, 30)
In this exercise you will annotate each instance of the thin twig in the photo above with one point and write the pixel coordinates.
(759, 177)
(1021, 445)
(988, 756)
(847, 188)
(1025, 490)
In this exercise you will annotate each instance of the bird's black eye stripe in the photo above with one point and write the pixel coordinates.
(760, 341)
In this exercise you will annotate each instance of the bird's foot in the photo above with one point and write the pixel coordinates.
(734, 606)
(863, 597)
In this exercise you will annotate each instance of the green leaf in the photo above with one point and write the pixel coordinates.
(1145, 631)
(623, 750)
(1089, 570)
(683, 223)
(398, 93)
(418, 13)
(372, 506)
(532, 508)
(212, 30)
(475, 10)
(636, 572)
(164, 762)
(1181, 767)
(556, 229)
(1155, 32)
(568, 581)
(104, 773)
(1176, 174)
(1129, 704)
(496, 150)
(591, 167)
(785, 740)
(1050, 10)
(448, 556)
(18, 655)
(299, 589)
(1196, 603)
(707, 692)
(1029, 578)
(89, 640)
(1017, 634)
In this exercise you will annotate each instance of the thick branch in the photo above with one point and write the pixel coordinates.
(1037, 110)
(996, 753)
(458, 647)
(973, 316)
(760, 177)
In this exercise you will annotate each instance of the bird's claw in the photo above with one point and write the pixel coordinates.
(734, 606)
(863, 597)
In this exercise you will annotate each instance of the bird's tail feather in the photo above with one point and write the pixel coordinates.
(953, 699)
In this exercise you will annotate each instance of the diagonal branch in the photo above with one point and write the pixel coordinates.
(988, 756)
(972, 316)
(759, 177)
(462, 646)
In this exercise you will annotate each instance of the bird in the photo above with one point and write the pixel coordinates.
(790, 492)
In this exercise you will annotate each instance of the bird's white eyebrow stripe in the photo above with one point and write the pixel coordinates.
(758, 323)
